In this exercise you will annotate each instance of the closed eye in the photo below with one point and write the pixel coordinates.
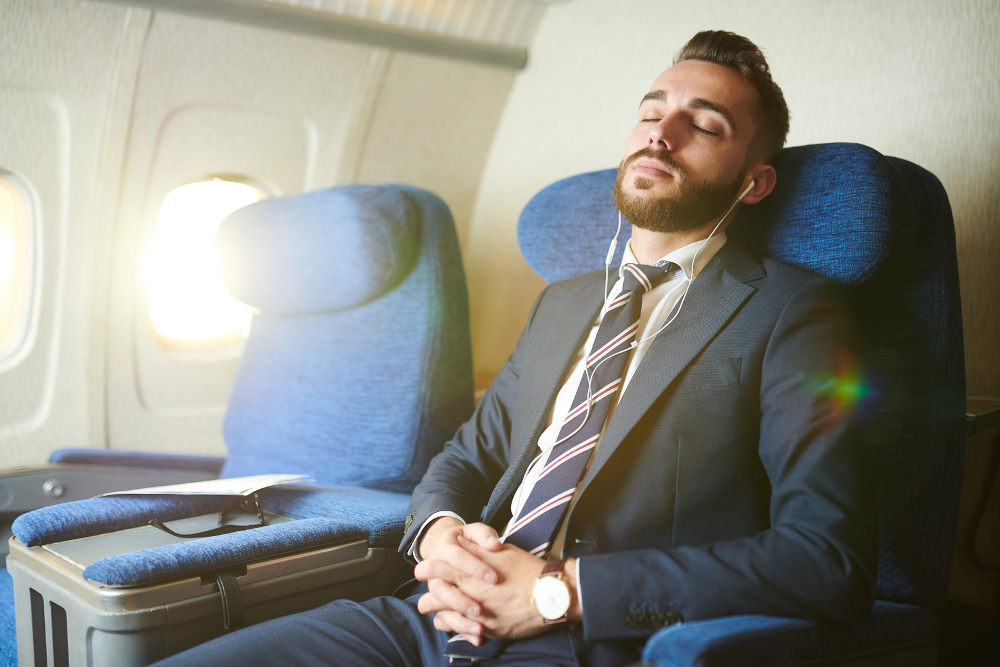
(705, 130)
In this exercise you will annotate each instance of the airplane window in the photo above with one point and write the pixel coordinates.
(16, 253)
(188, 307)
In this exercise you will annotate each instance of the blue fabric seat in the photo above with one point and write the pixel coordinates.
(882, 227)
(8, 647)
(356, 370)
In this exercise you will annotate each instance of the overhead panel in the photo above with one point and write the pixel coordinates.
(495, 32)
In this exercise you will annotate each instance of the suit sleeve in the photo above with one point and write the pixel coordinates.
(817, 557)
(461, 477)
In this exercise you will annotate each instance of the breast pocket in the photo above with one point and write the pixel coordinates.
(709, 375)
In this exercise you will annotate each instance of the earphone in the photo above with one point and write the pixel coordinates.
(688, 279)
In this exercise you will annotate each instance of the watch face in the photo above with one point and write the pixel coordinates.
(551, 598)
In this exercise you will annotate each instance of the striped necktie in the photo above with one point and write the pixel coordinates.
(581, 429)
(567, 462)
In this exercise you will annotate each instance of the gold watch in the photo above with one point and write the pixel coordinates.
(552, 596)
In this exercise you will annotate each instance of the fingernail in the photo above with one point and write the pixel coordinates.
(472, 611)
(490, 577)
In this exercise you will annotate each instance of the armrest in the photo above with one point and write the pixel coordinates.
(120, 457)
(895, 634)
(359, 512)
(27, 489)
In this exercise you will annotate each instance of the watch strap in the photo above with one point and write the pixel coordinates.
(553, 567)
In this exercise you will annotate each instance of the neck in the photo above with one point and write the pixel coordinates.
(649, 246)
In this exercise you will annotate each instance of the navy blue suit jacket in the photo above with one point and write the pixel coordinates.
(727, 481)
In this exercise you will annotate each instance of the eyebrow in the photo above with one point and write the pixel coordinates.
(696, 103)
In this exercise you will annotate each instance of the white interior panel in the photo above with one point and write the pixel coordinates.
(28, 376)
(63, 89)
(431, 125)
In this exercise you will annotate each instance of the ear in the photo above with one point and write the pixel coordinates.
(764, 178)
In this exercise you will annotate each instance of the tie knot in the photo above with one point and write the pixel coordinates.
(642, 277)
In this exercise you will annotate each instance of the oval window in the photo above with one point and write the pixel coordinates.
(16, 263)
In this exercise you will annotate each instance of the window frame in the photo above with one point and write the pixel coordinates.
(15, 340)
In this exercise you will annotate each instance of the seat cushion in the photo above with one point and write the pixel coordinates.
(907, 632)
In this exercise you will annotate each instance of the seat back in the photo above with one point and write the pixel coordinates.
(357, 367)
(882, 228)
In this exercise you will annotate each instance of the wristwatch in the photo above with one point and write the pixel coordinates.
(552, 595)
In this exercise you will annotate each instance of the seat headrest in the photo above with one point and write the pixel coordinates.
(320, 251)
(829, 213)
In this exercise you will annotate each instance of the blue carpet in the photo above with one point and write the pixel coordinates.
(8, 640)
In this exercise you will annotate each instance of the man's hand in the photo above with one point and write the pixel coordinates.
(474, 607)
(450, 552)
(446, 539)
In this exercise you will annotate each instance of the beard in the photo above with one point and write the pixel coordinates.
(693, 205)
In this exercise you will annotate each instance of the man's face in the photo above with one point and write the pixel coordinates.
(686, 160)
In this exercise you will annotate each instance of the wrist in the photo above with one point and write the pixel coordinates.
(432, 535)
(572, 574)
(554, 594)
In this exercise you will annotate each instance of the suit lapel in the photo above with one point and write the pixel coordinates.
(714, 297)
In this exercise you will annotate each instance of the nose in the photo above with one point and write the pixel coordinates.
(662, 136)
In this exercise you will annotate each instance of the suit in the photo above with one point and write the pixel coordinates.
(727, 480)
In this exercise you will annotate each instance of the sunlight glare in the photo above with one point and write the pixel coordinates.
(186, 300)
(15, 254)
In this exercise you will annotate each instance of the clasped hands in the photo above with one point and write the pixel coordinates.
(477, 586)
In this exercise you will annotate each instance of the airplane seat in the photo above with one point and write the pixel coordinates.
(357, 368)
(881, 227)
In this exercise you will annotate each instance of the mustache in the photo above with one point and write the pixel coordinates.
(661, 156)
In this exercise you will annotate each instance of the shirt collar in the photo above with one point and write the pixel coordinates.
(684, 256)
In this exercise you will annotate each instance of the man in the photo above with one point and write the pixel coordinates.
(715, 478)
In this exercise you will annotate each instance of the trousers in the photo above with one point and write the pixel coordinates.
(382, 631)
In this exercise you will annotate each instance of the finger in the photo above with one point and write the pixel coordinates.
(445, 597)
(462, 561)
(445, 571)
(449, 621)
(482, 534)
(435, 568)
(428, 603)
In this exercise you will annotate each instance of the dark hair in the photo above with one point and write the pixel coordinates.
(741, 55)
